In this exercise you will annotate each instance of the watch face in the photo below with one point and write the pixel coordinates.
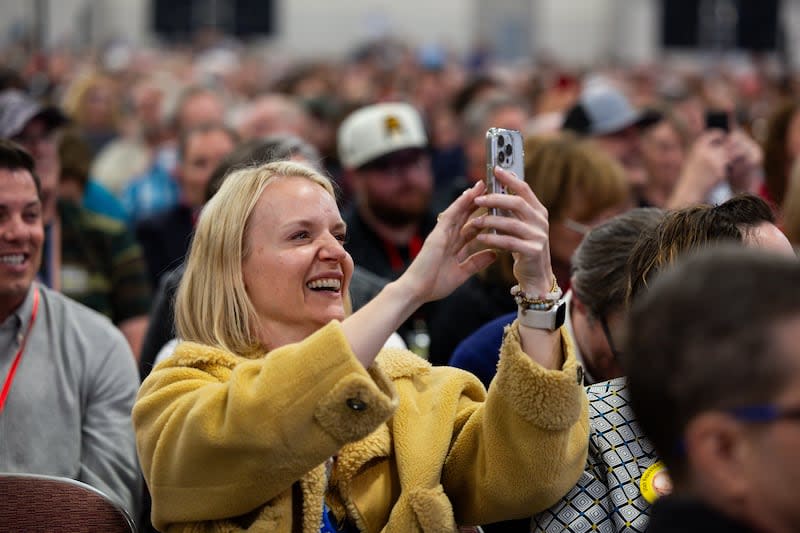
(551, 319)
(561, 314)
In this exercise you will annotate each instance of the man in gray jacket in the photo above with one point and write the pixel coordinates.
(68, 375)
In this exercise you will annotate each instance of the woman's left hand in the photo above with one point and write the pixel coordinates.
(523, 230)
(445, 260)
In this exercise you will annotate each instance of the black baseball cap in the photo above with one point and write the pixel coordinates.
(17, 109)
(602, 109)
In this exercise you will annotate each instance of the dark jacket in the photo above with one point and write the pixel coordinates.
(684, 515)
(369, 250)
(459, 315)
(165, 238)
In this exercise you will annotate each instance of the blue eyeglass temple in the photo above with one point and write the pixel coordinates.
(763, 413)
(755, 414)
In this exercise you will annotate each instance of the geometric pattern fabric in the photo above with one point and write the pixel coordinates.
(606, 498)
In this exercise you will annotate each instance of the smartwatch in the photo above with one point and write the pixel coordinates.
(551, 320)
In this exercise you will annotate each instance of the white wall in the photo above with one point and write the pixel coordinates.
(81, 21)
(126, 19)
(790, 18)
(579, 32)
(637, 30)
(575, 31)
(311, 27)
(66, 20)
(506, 24)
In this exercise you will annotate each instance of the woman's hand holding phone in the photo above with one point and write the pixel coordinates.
(522, 230)
(504, 149)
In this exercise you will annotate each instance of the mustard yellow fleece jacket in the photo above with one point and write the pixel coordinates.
(234, 444)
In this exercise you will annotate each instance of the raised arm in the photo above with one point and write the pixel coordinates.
(442, 265)
(526, 444)
(525, 233)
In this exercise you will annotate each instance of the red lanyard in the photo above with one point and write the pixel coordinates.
(13, 370)
(395, 261)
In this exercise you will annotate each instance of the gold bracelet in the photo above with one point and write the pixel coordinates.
(524, 301)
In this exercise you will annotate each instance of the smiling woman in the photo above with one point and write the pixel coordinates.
(299, 260)
(265, 247)
(295, 416)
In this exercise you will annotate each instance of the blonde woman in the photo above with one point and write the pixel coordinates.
(94, 103)
(278, 413)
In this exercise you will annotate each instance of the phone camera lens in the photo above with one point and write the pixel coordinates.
(501, 141)
(501, 157)
(508, 149)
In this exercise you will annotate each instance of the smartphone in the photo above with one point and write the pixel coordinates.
(504, 149)
(717, 120)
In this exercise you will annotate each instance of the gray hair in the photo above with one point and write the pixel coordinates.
(477, 113)
(599, 278)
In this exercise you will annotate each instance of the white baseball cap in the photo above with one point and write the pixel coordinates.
(379, 129)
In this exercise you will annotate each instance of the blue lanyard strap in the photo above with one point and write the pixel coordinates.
(328, 524)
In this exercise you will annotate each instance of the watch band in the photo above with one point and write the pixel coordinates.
(551, 319)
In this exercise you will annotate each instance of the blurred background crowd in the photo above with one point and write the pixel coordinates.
(124, 81)
(117, 68)
(134, 109)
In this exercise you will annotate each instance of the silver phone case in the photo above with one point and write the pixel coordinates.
(498, 154)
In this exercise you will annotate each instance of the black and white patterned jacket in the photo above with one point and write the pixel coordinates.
(606, 498)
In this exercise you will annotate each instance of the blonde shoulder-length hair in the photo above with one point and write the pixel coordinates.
(212, 306)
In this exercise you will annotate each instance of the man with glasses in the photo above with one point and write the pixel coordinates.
(595, 304)
(596, 310)
(382, 148)
(713, 365)
(383, 152)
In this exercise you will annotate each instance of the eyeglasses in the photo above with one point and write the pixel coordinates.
(397, 165)
(754, 414)
(609, 338)
(762, 414)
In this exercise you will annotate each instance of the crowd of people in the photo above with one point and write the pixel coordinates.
(243, 294)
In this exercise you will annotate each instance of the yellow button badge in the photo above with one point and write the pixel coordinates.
(655, 482)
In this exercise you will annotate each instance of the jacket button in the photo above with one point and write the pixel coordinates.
(356, 405)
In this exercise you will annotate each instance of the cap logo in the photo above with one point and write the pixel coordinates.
(392, 126)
